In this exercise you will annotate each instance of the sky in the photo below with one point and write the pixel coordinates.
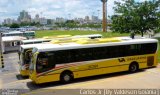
(54, 8)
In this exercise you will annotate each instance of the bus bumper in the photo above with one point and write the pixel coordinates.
(24, 72)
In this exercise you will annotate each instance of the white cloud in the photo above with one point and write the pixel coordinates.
(142, 0)
(3, 10)
(54, 8)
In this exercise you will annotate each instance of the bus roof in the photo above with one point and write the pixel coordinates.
(12, 38)
(55, 47)
(29, 46)
(29, 31)
(34, 40)
(14, 32)
(87, 36)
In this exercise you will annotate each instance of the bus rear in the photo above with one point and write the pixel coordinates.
(25, 56)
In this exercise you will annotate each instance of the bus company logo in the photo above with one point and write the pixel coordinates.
(121, 60)
(136, 58)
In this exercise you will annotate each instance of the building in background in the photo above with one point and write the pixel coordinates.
(43, 21)
(60, 20)
(8, 21)
(86, 19)
(94, 19)
(24, 17)
(37, 18)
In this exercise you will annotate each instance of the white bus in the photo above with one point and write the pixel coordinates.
(67, 61)
(91, 36)
(28, 34)
(34, 41)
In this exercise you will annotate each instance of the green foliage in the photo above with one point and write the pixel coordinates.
(35, 24)
(30, 24)
(135, 16)
(74, 24)
(14, 25)
(25, 23)
(71, 24)
(6, 25)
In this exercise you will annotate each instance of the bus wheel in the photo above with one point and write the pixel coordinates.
(66, 77)
(133, 67)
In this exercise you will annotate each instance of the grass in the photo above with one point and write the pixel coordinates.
(40, 34)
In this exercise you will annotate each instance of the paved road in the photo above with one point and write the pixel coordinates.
(144, 79)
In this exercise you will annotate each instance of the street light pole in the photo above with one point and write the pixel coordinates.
(104, 22)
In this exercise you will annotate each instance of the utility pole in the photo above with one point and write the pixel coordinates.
(104, 22)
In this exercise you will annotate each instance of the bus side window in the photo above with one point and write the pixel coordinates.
(62, 56)
(51, 60)
(135, 49)
(149, 48)
(72, 56)
(18, 43)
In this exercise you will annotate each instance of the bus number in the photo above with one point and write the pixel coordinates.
(92, 66)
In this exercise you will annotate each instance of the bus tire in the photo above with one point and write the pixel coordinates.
(133, 67)
(66, 77)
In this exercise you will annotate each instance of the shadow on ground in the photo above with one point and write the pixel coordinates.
(19, 77)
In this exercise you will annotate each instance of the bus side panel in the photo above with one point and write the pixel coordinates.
(112, 65)
(150, 59)
(48, 78)
(102, 67)
(156, 59)
(97, 67)
(100, 71)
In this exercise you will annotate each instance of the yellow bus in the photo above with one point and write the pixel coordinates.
(27, 46)
(66, 62)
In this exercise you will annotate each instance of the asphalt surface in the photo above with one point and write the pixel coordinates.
(10, 79)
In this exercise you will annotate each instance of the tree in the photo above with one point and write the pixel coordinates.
(14, 25)
(71, 23)
(25, 24)
(60, 24)
(136, 16)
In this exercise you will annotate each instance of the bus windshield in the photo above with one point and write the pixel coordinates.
(34, 50)
(27, 56)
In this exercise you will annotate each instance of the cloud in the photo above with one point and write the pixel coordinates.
(54, 8)
(3, 11)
